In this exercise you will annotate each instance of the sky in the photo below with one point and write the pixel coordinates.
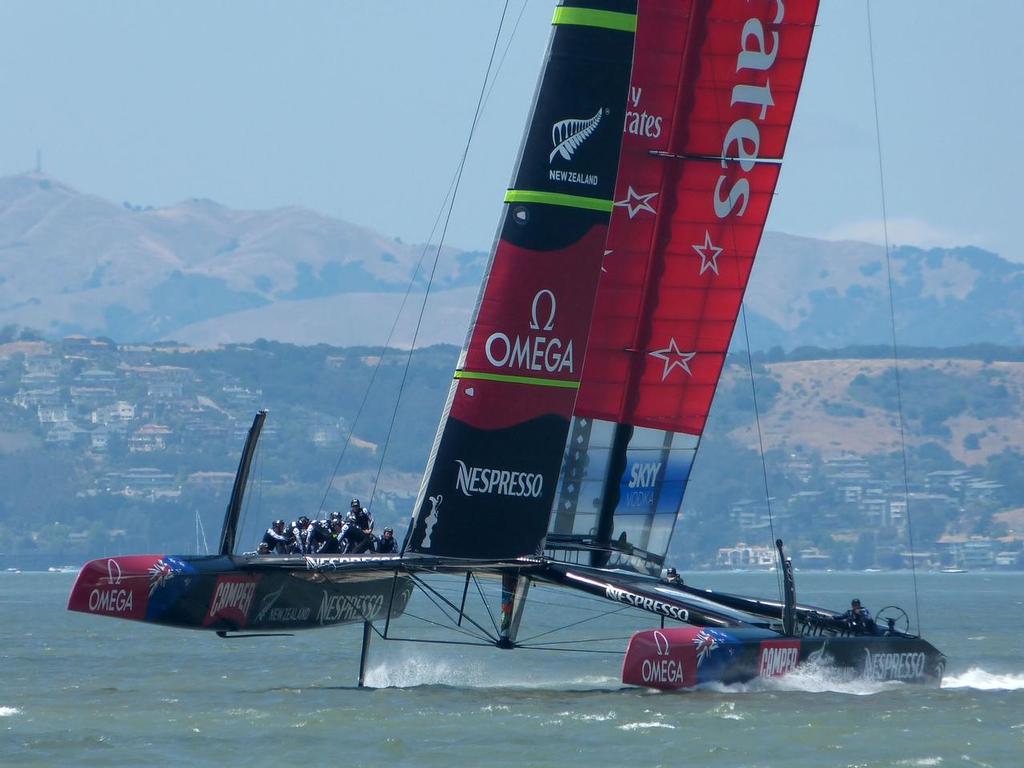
(362, 110)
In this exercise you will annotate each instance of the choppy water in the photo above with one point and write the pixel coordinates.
(83, 690)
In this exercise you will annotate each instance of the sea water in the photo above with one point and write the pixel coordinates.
(85, 690)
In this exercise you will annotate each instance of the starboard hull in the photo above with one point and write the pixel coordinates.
(242, 594)
(685, 657)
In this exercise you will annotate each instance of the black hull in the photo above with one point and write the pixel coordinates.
(243, 594)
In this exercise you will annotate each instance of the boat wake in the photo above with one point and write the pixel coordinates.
(417, 671)
(820, 680)
(981, 680)
(422, 671)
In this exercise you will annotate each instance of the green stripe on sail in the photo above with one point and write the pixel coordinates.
(508, 379)
(589, 17)
(557, 198)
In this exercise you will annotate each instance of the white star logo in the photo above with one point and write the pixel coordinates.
(708, 253)
(673, 357)
(635, 203)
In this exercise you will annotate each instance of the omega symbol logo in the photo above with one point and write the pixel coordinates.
(534, 322)
(113, 572)
(661, 642)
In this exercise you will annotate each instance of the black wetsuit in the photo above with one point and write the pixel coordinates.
(363, 519)
(300, 538)
(860, 623)
(387, 545)
(279, 543)
(354, 540)
(320, 539)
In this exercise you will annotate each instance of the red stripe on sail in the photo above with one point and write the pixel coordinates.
(532, 324)
(713, 92)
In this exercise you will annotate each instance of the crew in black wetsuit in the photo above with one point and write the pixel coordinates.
(319, 537)
(300, 532)
(672, 577)
(354, 538)
(858, 619)
(362, 516)
(277, 539)
(386, 544)
(335, 544)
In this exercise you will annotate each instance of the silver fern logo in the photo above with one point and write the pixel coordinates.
(568, 135)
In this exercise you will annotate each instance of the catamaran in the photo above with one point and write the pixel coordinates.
(626, 241)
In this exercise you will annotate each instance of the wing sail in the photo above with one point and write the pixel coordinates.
(490, 481)
(711, 99)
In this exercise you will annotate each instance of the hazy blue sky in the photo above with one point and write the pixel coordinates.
(360, 110)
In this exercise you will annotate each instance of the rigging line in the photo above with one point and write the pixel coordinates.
(760, 442)
(892, 319)
(604, 615)
(564, 605)
(731, 229)
(504, 54)
(577, 642)
(427, 590)
(430, 592)
(447, 628)
(437, 255)
(412, 282)
(567, 650)
(438, 642)
(387, 344)
(487, 607)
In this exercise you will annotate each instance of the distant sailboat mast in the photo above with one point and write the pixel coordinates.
(201, 536)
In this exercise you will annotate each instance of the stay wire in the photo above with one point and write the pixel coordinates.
(892, 320)
(412, 281)
(760, 445)
(440, 246)
(384, 350)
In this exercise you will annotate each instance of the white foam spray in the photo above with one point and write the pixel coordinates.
(414, 670)
(981, 680)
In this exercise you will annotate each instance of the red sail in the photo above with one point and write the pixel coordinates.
(712, 96)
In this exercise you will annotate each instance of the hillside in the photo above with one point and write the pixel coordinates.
(75, 263)
(118, 448)
(204, 274)
(975, 409)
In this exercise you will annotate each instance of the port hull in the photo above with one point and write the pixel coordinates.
(241, 594)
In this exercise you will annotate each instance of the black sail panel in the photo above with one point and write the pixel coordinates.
(490, 481)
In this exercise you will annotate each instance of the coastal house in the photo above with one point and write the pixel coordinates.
(146, 483)
(745, 556)
(149, 438)
(120, 411)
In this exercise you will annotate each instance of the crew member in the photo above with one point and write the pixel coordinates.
(300, 532)
(354, 538)
(858, 618)
(277, 539)
(672, 577)
(335, 544)
(319, 537)
(386, 544)
(362, 516)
